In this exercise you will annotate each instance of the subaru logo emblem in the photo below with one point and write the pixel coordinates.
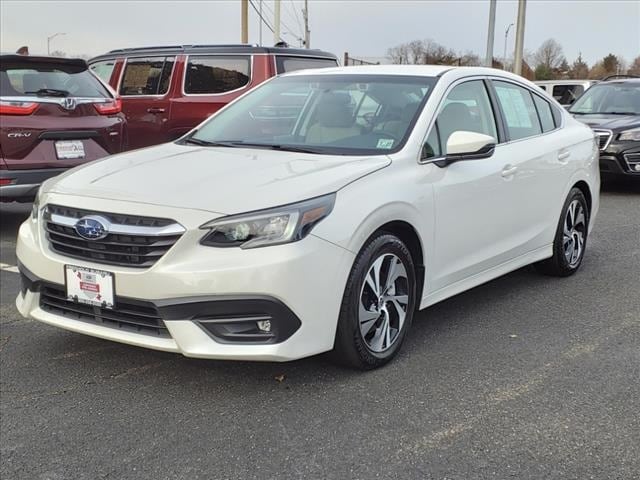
(92, 227)
(68, 103)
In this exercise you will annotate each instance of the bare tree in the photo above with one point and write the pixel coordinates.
(549, 55)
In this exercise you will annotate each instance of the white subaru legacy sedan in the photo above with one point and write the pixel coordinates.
(316, 213)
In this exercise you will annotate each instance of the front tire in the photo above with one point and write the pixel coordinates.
(378, 304)
(570, 241)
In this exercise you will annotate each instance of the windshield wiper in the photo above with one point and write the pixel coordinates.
(49, 92)
(207, 143)
(275, 146)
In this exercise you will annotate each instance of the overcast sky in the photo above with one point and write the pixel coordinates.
(362, 27)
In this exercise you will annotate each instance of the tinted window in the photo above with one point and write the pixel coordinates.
(545, 113)
(27, 79)
(291, 64)
(147, 76)
(466, 108)
(103, 70)
(518, 109)
(567, 94)
(216, 74)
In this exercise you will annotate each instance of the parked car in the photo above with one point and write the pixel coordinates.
(612, 109)
(391, 188)
(565, 91)
(166, 91)
(54, 114)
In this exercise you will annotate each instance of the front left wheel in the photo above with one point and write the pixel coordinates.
(378, 304)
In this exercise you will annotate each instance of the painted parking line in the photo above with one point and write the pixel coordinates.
(9, 268)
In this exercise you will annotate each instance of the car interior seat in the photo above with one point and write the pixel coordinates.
(334, 120)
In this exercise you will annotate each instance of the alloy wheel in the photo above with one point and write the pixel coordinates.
(383, 302)
(573, 238)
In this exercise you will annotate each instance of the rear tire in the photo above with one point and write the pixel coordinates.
(570, 241)
(378, 304)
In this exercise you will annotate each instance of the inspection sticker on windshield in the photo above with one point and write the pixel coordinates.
(385, 143)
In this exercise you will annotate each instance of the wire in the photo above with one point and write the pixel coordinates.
(261, 17)
(286, 28)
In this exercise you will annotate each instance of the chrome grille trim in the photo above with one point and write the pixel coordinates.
(604, 138)
(131, 241)
(632, 160)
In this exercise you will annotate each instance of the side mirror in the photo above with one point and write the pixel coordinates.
(464, 145)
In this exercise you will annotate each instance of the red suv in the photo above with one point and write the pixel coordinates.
(54, 114)
(166, 91)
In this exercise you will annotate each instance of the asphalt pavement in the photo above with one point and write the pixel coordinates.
(525, 377)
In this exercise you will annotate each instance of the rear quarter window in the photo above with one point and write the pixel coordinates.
(216, 74)
(291, 64)
(103, 70)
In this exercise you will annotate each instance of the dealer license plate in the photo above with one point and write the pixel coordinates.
(66, 149)
(88, 286)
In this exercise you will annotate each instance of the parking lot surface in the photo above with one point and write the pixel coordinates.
(524, 377)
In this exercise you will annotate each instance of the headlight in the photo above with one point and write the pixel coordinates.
(632, 135)
(275, 226)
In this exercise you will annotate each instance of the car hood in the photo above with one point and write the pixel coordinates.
(610, 122)
(218, 179)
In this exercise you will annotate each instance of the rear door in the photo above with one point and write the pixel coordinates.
(145, 91)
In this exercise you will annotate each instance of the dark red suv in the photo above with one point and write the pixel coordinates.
(54, 114)
(166, 91)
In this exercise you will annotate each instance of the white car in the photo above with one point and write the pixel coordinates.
(323, 226)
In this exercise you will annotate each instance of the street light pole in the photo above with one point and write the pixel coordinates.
(51, 38)
(504, 57)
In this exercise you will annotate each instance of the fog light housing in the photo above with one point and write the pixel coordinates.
(264, 325)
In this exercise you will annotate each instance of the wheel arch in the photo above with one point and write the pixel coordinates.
(586, 191)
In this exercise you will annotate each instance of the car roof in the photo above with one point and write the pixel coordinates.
(563, 82)
(621, 80)
(240, 48)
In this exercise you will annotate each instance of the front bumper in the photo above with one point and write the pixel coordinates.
(194, 289)
(25, 183)
(620, 160)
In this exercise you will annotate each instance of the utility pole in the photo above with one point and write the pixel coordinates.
(307, 32)
(504, 57)
(517, 57)
(49, 41)
(490, 35)
(276, 21)
(244, 21)
(260, 23)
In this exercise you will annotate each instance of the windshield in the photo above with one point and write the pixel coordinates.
(49, 81)
(611, 98)
(332, 114)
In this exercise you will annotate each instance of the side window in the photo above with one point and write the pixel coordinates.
(545, 113)
(147, 76)
(466, 108)
(518, 109)
(291, 64)
(103, 70)
(432, 147)
(567, 94)
(216, 74)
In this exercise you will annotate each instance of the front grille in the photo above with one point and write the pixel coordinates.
(604, 137)
(132, 241)
(633, 161)
(131, 315)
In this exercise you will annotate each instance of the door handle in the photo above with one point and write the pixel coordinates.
(563, 156)
(509, 170)
(155, 110)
